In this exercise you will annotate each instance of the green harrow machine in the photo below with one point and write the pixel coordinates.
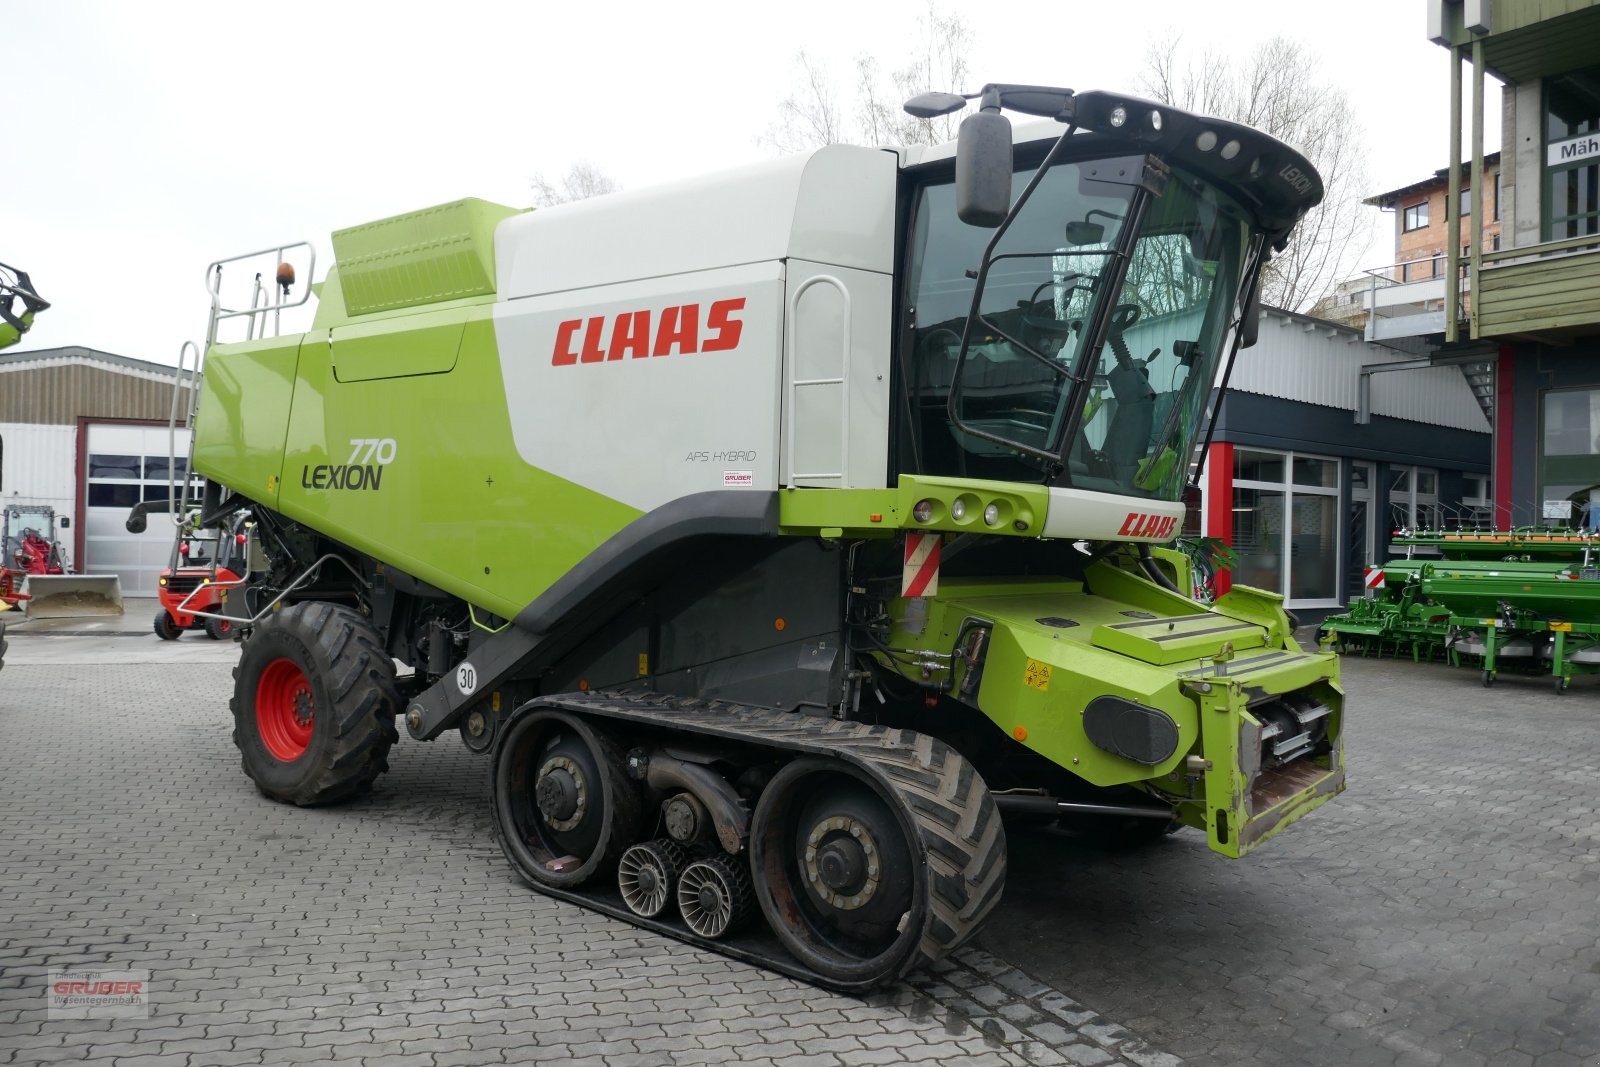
(1528, 599)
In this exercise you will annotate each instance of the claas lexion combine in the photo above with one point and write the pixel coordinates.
(775, 532)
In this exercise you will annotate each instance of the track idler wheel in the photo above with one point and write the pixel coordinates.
(715, 897)
(857, 885)
(647, 876)
(564, 809)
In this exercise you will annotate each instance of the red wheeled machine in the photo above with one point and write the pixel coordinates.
(197, 586)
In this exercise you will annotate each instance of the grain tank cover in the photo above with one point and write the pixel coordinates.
(421, 257)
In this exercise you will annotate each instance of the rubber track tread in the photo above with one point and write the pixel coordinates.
(957, 820)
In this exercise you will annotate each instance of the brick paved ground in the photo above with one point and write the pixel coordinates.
(1445, 910)
(390, 930)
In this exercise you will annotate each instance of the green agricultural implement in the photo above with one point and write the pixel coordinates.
(773, 533)
(1526, 598)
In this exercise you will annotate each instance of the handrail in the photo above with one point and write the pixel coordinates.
(179, 514)
(1381, 274)
(214, 287)
(1565, 245)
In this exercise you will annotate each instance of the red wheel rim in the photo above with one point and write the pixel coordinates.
(285, 711)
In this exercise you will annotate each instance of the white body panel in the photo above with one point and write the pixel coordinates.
(648, 430)
(788, 267)
(1084, 515)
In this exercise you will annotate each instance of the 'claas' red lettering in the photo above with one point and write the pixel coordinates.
(676, 331)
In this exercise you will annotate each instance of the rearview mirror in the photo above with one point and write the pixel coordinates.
(1085, 233)
(983, 169)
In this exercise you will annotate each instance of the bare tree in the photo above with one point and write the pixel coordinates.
(582, 180)
(1276, 90)
(821, 113)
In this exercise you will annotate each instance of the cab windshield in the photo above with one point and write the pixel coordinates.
(1035, 398)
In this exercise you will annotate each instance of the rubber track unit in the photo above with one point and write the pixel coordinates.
(962, 840)
(2, 643)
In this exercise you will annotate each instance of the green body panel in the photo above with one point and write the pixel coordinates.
(1056, 644)
(454, 509)
(245, 395)
(398, 346)
(422, 257)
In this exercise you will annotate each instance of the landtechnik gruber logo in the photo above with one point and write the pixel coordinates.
(96, 994)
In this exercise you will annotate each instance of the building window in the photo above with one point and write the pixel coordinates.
(1415, 217)
(1414, 498)
(1466, 203)
(1285, 524)
(1571, 167)
(1497, 191)
(1569, 451)
(1477, 506)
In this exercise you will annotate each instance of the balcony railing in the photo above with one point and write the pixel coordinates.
(1407, 299)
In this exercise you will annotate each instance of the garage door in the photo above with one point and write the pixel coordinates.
(126, 465)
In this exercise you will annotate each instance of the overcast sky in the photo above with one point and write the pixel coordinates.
(146, 140)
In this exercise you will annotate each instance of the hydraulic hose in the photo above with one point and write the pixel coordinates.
(1153, 571)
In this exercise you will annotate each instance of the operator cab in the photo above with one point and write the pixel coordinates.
(1076, 342)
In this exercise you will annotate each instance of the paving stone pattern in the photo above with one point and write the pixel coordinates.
(389, 930)
(1445, 910)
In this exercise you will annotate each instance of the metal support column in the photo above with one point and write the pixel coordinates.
(1477, 182)
(1452, 204)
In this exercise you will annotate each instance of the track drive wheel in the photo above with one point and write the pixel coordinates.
(314, 701)
(165, 628)
(564, 809)
(219, 629)
(862, 884)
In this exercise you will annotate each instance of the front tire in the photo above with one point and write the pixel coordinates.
(165, 628)
(219, 629)
(314, 704)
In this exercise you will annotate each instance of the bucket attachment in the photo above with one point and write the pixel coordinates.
(67, 596)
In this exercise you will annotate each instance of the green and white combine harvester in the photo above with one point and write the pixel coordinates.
(776, 531)
(1529, 598)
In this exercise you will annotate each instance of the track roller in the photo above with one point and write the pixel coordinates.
(647, 876)
(714, 896)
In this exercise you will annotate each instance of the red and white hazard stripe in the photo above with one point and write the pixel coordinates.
(920, 577)
(1375, 578)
